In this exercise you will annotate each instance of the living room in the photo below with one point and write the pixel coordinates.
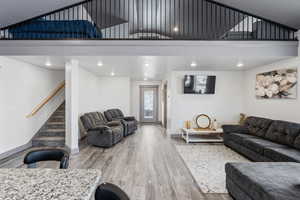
(107, 82)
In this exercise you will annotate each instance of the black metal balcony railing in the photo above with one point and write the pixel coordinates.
(148, 20)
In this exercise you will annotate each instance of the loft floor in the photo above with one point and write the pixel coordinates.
(146, 165)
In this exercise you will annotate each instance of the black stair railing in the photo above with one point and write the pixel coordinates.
(148, 20)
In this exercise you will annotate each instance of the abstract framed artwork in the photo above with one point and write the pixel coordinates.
(277, 84)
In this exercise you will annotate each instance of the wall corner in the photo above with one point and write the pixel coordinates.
(298, 36)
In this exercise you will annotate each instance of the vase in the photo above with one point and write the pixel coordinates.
(215, 124)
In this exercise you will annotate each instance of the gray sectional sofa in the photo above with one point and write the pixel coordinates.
(275, 147)
(265, 140)
(263, 181)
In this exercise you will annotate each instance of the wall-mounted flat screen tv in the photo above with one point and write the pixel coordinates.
(199, 84)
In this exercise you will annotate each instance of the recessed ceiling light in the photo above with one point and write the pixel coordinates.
(175, 29)
(147, 64)
(112, 74)
(240, 64)
(193, 64)
(100, 64)
(48, 64)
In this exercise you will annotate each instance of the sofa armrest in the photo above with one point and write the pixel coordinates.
(235, 129)
(113, 123)
(129, 118)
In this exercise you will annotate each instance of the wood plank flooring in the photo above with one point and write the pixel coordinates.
(145, 165)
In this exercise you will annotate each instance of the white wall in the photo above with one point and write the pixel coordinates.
(298, 36)
(135, 97)
(22, 87)
(225, 105)
(283, 109)
(101, 93)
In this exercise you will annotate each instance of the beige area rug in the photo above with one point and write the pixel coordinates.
(207, 162)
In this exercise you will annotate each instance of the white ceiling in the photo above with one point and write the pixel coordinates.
(283, 11)
(135, 66)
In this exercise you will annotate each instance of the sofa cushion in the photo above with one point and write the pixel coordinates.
(113, 114)
(258, 145)
(297, 142)
(237, 137)
(86, 122)
(258, 126)
(284, 133)
(92, 120)
(101, 120)
(235, 129)
(235, 190)
(97, 118)
(266, 181)
(282, 154)
(248, 153)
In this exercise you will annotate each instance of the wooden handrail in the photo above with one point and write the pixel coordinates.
(47, 99)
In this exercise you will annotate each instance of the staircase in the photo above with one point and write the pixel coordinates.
(52, 134)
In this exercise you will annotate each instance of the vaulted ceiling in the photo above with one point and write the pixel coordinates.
(14, 11)
(286, 12)
(282, 11)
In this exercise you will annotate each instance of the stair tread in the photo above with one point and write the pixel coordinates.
(54, 130)
(45, 147)
(51, 138)
(52, 123)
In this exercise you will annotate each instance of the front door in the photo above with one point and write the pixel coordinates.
(149, 104)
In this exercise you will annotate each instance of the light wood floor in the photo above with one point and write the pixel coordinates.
(145, 165)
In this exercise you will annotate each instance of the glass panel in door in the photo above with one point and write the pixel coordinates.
(148, 104)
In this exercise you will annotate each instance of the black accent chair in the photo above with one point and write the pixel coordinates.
(100, 132)
(129, 122)
(108, 191)
(35, 156)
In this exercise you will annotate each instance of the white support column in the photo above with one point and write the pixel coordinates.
(72, 130)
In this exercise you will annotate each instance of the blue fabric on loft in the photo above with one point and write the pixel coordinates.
(56, 29)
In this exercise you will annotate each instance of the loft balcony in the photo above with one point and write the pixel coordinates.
(148, 20)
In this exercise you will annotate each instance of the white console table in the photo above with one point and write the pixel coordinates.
(202, 136)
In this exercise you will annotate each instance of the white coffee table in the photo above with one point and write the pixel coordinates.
(202, 136)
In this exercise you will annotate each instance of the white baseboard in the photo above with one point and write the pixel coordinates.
(15, 150)
(173, 132)
(72, 151)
